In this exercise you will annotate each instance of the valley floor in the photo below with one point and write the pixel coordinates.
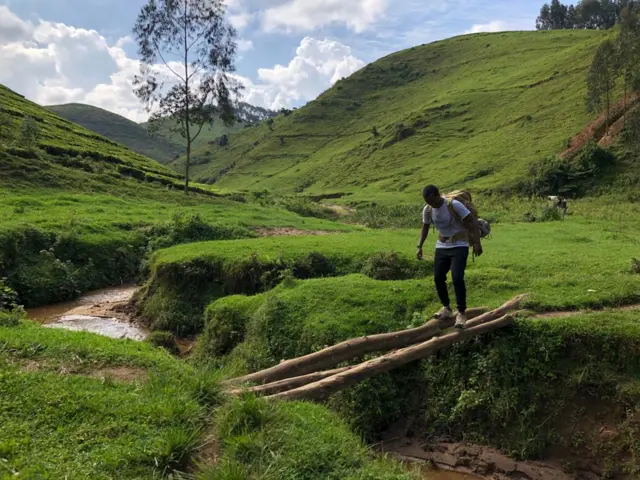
(88, 406)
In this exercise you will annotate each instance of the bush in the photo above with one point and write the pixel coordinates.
(550, 213)
(187, 228)
(12, 318)
(225, 329)
(8, 297)
(569, 176)
(387, 266)
(635, 266)
(164, 340)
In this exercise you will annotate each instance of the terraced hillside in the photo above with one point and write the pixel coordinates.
(472, 110)
(119, 129)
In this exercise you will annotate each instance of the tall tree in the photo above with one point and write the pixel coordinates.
(629, 49)
(543, 22)
(601, 79)
(558, 12)
(187, 52)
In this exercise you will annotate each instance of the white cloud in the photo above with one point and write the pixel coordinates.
(53, 63)
(245, 45)
(12, 28)
(241, 20)
(494, 26)
(318, 64)
(305, 15)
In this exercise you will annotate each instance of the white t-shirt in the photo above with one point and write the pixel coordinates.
(447, 224)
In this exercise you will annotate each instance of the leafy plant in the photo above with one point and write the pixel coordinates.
(166, 340)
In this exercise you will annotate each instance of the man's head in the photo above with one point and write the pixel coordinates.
(431, 195)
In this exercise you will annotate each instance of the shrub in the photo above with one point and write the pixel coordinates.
(386, 266)
(550, 213)
(8, 297)
(12, 318)
(224, 330)
(186, 228)
(312, 266)
(570, 176)
(164, 340)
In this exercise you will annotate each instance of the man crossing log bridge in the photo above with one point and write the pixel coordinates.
(455, 218)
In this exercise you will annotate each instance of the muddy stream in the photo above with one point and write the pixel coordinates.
(101, 312)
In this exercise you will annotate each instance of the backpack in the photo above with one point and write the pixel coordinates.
(464, 197)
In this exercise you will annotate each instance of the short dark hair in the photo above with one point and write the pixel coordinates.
(430, 190)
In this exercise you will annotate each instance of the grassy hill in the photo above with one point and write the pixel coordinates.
(80, 211)
(119, 129)
(247, 115)
(473, 110)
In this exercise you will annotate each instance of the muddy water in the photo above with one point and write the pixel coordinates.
(446, 475)
(95, 312)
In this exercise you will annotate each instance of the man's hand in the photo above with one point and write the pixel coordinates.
(477, 249)
(419, 254)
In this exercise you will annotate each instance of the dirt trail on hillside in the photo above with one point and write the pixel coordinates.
(598, 128)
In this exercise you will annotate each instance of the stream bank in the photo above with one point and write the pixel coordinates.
(102, 311)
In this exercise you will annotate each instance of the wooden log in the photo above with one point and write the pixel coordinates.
(323, 388)
(349, 349)
(289, 383)
(358, 347)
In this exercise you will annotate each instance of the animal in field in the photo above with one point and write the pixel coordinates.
(559, 202)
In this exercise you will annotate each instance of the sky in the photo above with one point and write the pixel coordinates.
(289, 51)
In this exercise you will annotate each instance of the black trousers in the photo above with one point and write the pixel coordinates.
(454, 260)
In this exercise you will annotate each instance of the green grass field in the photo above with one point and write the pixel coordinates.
(479, 109)
(81, 212)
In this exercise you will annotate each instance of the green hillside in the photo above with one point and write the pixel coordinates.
(246, 114)
(119, 129)
(472, 110)
(80, 211)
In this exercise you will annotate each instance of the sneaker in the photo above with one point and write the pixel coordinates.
(445, 313)
(461, 320)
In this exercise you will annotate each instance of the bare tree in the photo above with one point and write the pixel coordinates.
(187, 50)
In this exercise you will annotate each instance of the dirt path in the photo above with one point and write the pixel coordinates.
(573, 313)
(598, 129)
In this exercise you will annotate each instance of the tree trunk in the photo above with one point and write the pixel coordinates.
(290, 383)
(357, 347)
(323, 388)
(347, 350)
(187, 106)
(186, 169)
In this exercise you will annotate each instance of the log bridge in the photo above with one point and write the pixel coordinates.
(311, 377)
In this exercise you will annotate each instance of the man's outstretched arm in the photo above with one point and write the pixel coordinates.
(423, 237)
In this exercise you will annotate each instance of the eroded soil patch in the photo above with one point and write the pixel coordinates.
(124, 374)
(291, 232)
